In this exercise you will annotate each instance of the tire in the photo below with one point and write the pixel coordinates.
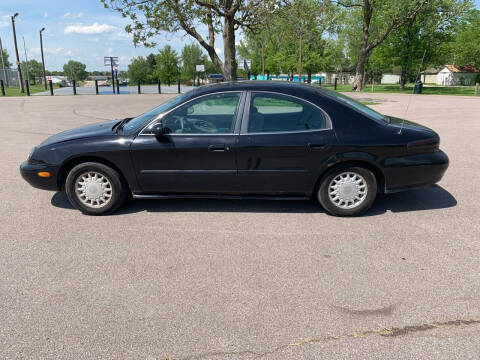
(95, 188)
(347, 191)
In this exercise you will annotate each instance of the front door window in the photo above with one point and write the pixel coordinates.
(211, 114)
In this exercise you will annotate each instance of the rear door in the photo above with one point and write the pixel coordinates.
(198, 153)
(283, 142)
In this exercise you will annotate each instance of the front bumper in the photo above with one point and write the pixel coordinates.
(30, 174)
(413, 171)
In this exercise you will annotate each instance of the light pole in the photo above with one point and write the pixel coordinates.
(20, 77)
(43, 60)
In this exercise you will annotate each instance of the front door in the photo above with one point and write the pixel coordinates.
(197, 155)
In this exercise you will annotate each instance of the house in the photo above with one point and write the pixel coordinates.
(58, 79)
(389, 79)
(429, 76)
(344, 77)
(457, 75)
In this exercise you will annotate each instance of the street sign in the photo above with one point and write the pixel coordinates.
(110, 60)
(200, 68)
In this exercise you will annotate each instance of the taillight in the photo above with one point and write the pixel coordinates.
(425, 143)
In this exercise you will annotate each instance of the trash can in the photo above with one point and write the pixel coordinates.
(418, 87)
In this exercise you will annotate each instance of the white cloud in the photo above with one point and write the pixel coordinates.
(218, 51)
(47, 50)
(73, 15)
(4, 20)
(122, 35)
(45, 15)
(95, 28)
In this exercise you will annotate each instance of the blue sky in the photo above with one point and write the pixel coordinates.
(81, 30)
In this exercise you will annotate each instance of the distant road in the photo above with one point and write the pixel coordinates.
(107, 90)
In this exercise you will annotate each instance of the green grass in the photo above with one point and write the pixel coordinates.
(427, 89)
(15, 91)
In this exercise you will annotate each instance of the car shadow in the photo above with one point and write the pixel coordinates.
(429, 198)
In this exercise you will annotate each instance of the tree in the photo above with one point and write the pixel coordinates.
(152, 17)
(167, 68)
(465, 47)
(379, 20)
(5, 59)
(75, 70)
(291, 41)
(192, 55)
(421, 38)
(35, 69)
(304, 21)
(123, 74)
(152, 61)
(139, 71)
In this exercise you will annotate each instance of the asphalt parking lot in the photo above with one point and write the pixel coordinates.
(217, 279)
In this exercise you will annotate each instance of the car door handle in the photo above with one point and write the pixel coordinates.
(316, 146)
(218, 148)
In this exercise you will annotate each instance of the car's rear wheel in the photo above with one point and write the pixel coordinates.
(347, 191)
(95, 189)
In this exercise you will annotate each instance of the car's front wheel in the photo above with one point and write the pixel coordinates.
(95, 188)
(347, 191)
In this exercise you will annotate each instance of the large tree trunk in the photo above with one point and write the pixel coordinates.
(360, 71)
(230, 63)
(363, 52)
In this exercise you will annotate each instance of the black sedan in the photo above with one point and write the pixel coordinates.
(269, 140)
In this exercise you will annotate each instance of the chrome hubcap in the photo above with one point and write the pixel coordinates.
(347, 190)
(93, 189)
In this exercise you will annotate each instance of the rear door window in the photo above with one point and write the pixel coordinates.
(270, 112)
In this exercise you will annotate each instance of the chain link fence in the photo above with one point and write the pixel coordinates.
(11, 77)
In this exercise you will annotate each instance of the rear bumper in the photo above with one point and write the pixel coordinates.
(30, 174)
(413, 171)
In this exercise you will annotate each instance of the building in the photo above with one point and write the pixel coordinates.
(58, 79)
(390, 79)
(429, 76)
(452, 75)
(344, 77)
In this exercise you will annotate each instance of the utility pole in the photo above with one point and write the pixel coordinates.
(20, 77)
(43, 59)
(26, 59)
(3, 63)
(111, 61)
(113, 74)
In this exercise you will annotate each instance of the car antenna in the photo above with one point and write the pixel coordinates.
(410, 97)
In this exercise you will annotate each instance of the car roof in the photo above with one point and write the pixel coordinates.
(260, 85)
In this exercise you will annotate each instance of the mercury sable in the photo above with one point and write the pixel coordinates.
(272, 140)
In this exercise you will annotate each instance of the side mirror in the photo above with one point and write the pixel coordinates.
(158, 129)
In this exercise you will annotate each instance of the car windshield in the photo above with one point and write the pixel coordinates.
(152, 114)
(359, 106)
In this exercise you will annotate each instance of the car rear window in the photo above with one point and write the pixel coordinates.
(358, 106)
